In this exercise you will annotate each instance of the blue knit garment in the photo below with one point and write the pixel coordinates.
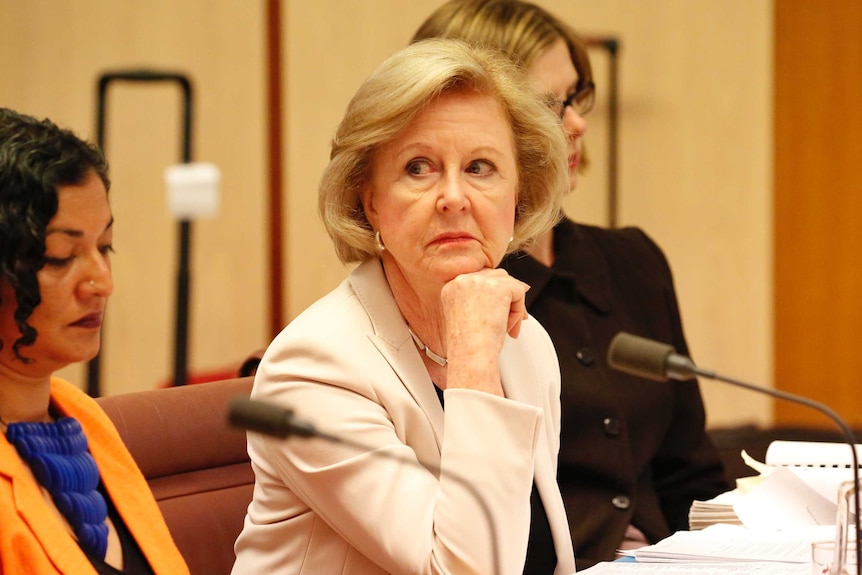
(59, 457)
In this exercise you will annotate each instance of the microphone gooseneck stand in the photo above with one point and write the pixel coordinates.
(659, 362)
(275, 421)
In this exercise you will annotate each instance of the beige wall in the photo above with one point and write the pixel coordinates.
(695, 157)
(51, 54)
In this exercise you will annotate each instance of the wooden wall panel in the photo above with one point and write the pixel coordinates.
(818, 207)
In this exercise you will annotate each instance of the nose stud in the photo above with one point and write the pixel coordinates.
(92, 283)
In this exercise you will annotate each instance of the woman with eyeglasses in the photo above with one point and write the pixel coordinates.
(634, 454)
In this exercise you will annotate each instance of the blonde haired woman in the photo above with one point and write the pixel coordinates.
(425, 355)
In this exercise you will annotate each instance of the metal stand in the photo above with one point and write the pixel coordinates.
(182, 302)
(611, 46)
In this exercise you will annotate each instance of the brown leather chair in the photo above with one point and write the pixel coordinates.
(196, 464)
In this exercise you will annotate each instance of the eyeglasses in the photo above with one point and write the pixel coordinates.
(581, 101)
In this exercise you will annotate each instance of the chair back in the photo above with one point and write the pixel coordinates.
(196, 464)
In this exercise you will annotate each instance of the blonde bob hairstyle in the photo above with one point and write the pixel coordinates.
(401, 88)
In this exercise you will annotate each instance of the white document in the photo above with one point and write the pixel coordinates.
(698, 569)
(821, 465)
(733, 543)
(797, 486)
(784, 500)
(811, 454)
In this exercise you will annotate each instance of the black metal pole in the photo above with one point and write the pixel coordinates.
(612, 46)
(183, 275)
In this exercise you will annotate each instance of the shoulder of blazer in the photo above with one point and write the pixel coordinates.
(354, 327)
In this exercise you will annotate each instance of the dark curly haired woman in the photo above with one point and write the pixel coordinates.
(72, 499)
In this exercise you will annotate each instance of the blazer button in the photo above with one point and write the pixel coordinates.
(621, 502)
(585, 356)
(612, 426)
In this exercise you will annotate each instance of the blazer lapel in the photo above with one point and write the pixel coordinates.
(393, 341)
(46, 527)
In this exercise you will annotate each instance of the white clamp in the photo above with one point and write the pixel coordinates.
(193, 190)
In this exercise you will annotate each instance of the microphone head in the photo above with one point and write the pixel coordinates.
(639, 356)
(260, 417)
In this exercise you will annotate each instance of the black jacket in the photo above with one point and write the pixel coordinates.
(632, 450)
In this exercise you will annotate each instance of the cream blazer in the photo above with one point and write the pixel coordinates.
(403, 486)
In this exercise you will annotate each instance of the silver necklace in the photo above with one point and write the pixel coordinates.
(438, 359)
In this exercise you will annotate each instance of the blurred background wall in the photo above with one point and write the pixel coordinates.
(51, 55)
(696, 158)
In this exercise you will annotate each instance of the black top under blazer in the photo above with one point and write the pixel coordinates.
(633, 451)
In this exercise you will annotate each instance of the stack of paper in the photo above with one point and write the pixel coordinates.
(723, 550)
(796, 486)
(698, 569)
(733, 543)
(717, 510)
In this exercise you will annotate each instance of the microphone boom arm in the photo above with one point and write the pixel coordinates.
(848, 434)
(657, 361)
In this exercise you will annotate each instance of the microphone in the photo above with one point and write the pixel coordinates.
(267, 419)
(658, 361)
(276, 421)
